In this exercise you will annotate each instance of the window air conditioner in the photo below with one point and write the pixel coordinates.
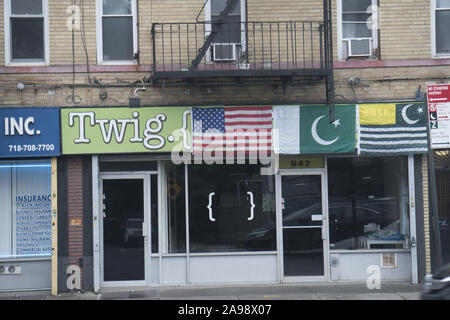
(359, 47)
(226, 51)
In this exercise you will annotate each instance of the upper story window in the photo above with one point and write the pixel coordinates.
(440, 17)
(357, 28)
(26, 32)
(229, 44)
(116, 31)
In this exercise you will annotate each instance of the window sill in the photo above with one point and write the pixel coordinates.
(231, 253)
(441, 56)
(27, 64)
(25, 259)
(441, 61)
(349, 251)
(118, 63)
(359, 59)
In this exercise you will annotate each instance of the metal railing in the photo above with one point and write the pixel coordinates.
(239, 48)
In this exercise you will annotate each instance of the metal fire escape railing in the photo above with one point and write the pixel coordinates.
(227, 47)
(262, 48)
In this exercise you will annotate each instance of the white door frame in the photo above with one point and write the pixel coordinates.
(412, 220)
(325, 234)
(146, 227)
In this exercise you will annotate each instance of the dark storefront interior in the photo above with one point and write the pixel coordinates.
(442, 166)
(368, 203)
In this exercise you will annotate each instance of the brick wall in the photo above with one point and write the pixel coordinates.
(61, 35)
(404, 25)
(426, 215)
(376, 84)
(405, 29)
(75, 209)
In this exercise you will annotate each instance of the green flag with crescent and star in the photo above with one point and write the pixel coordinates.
(318, 135)
(387, 129)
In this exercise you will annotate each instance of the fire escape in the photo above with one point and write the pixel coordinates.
(228, 50)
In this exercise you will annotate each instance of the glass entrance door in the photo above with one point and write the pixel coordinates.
(303, 218)
(124, 228)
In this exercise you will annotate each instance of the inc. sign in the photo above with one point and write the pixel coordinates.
(29, 132)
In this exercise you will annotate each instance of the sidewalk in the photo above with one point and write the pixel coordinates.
(309, 291)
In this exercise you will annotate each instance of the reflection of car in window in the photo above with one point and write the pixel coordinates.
(347, 218)
(303, 217)
(133, 230)
(245, 186)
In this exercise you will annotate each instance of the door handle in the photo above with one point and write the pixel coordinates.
(252, 213)
(413, 242)
(103, 206)
(324, 235)
(144, 229)
(209, 206)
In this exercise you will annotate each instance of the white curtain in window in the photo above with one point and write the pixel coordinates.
(25, 204)
(5, 211)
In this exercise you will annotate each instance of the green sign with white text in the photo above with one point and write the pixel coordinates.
(125, 130)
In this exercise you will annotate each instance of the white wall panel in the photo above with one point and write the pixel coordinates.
(233, 268)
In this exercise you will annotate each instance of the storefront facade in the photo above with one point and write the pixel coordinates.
(30, 140)
(198, 228)
(190, 211)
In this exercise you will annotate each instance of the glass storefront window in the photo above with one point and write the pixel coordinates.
(231, 209)
(368, 203)
(442, 172)
(25, 209)
(176, 208)
(154, 213)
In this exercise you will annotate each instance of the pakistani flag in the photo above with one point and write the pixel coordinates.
(307, 129)
(392, 129)
(318, 135)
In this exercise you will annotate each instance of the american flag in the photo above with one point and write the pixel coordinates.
(232, 129)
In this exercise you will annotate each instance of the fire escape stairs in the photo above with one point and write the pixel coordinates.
(215, 30)
(217, 27)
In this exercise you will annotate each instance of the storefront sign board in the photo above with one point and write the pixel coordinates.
(29, 132)
(125, 130)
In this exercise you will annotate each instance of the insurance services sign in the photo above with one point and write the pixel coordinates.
(29, 132)
(125, 130)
